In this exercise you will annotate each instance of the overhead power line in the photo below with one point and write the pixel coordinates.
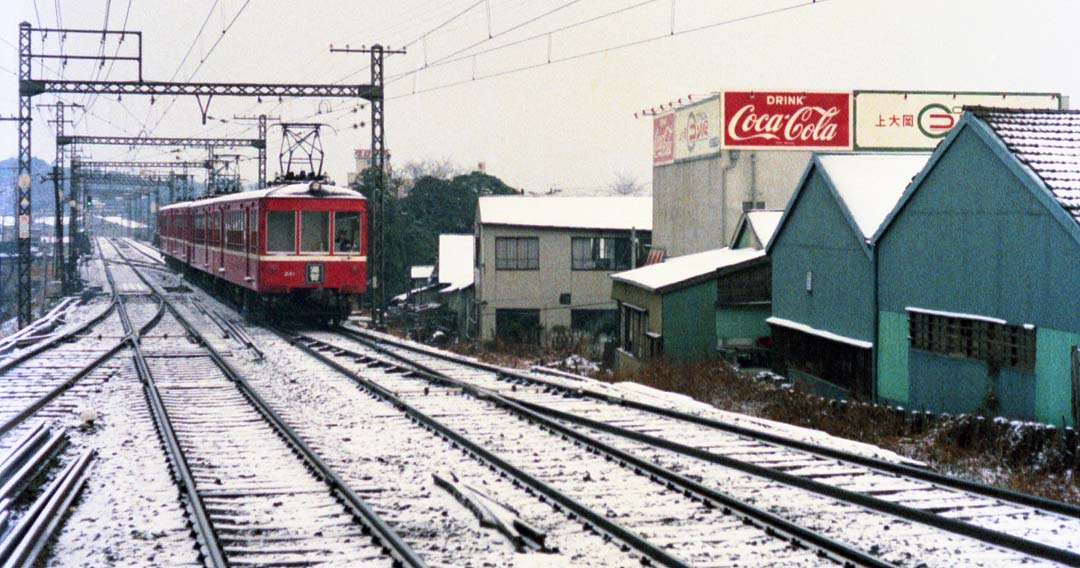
(609, 49)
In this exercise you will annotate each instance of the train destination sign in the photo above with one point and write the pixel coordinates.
(787, 120)
(894, 120)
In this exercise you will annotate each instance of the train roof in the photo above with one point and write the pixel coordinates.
(295, 191)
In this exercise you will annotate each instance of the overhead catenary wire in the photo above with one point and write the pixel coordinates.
(609, 49)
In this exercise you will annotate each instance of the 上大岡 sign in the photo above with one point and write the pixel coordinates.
(891, 120)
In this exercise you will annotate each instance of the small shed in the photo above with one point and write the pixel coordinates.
(979, 270)
(756, 228)
(455, 272)
(666, 309)
(420, 275)
(823, 277)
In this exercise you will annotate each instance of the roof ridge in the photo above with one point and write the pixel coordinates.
(980, 109)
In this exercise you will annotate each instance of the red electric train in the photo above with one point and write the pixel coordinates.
(299, 248)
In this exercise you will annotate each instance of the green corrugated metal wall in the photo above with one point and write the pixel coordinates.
(737, 322)
(973, 239)
(817, 237)
(689, 322)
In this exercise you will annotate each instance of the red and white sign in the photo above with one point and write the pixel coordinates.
(697, 130)
(365, 153)
(664, 139)
(787, 120)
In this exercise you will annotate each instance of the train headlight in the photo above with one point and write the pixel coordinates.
(314, 187)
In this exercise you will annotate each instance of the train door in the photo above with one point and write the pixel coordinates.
(249, 220)
(189, 237)
(222, 242)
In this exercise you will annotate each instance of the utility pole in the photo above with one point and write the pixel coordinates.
(261, 122)
(60, 268)
(377, 236)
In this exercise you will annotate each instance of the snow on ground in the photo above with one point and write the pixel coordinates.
(675, 401)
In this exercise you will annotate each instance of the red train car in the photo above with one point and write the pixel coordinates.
(287, 247)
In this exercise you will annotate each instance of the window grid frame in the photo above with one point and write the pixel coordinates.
(526, 253)
(997, 344)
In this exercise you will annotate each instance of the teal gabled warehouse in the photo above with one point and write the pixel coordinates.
(979, 272)
(823, 277)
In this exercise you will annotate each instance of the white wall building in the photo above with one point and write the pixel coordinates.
(544, 262)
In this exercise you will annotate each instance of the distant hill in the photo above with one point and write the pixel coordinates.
(41, 193)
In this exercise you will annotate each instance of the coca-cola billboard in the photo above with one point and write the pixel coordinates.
(664, 139)
(786, 120)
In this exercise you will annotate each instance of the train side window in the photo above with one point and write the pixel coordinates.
(234, 230)
(281, 231)
(314, 231)
(200, 228)
(214, 230)
(346, 231)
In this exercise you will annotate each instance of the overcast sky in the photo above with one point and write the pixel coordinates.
(569, 124)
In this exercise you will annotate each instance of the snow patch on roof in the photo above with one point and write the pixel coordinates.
(622, 213)
(764, 222)
(681, 268)
(456, 261)
(292, 190)
(819, 332)
(975, 317)
(421, 271)
(871, 184)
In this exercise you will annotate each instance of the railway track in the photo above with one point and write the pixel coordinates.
(668, 519)
(256, 493)
(779, 477)
(649, 481)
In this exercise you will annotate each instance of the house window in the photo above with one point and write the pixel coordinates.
(635, 336)
(518, 326)
(281, 231)
(517, 253)
(998, 344)
(600, 253)
(314, 231)
(234, 230)
(595, 322)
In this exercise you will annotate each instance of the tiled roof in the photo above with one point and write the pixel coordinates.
(1048, 141)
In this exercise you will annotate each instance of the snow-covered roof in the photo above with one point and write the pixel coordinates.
(871, 184)
(117, 220)
(621, 213)
(291, 190)
(421, 271)
(763, 222)
(657, 277)
(456, 261)
(819, 332)
(1048, 142)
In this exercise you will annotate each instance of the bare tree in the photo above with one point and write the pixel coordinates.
(626, 183)
(442, 169)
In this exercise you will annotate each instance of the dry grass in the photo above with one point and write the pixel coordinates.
(1020, 459)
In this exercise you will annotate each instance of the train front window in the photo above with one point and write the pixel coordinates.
(346, 232)
(314, 231)
(281, 231)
